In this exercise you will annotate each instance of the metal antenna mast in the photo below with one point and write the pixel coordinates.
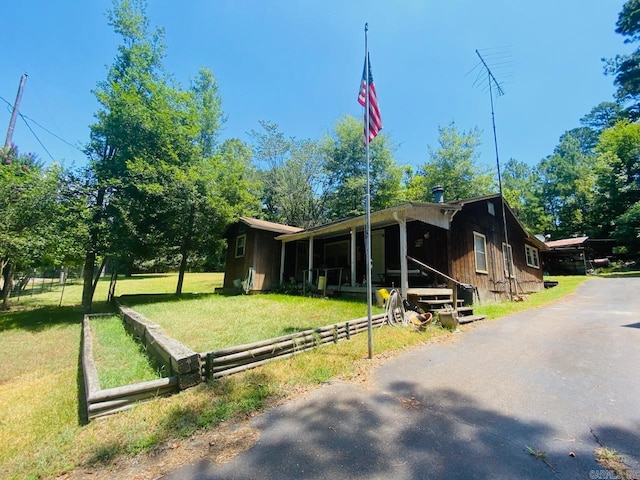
(493, 83)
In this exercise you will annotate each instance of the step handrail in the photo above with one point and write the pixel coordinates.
(438, 272)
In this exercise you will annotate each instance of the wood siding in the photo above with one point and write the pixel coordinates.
(493, 285)
(262, 252)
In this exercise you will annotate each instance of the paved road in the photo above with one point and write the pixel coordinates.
(558, 379)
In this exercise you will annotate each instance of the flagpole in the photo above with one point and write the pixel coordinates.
(368, 200)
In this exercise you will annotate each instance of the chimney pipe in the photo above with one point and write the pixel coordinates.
(438, 194)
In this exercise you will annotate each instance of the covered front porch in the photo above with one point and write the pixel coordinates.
(333, 256)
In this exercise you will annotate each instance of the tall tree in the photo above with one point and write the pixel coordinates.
(292, 176)
(143, 122)
(618, 173)
(345, 170)
(521, 190)
(208, 111)
(626, 68)
(567, 186)
(454, 166)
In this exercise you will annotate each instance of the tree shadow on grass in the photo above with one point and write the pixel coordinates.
(150, 298)
(39, 319)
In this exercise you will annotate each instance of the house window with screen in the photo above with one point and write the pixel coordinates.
(532, 256)
(241, 242)
(507, 253)
(480, 248)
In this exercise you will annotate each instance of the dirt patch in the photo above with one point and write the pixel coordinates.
(218, 445)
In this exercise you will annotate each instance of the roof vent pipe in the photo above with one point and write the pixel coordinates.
(438, 194)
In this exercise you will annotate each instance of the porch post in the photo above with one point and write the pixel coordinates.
(282, 249)
(310, 275)
(353, 257)
(404, 271)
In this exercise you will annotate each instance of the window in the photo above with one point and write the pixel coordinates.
(241, 242)
(507, 254)
(532, 256)
(491, 208)
(480, 248)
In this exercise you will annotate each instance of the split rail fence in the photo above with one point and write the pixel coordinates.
(236, 359)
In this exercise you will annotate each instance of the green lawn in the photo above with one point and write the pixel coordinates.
(119, 359)
(41, 427)
(218, 321)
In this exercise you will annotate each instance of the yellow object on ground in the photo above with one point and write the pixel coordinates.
(382, 296)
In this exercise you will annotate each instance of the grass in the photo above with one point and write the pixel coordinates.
(217, 321)
(41, 427)
(566, 285)
(119, 359)
(614, 462)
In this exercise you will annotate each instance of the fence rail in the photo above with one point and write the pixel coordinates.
(235, 359)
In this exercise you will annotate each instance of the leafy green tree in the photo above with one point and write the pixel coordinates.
(207, 104)
(618, 173)
(567, 184)
(626, 68)
(42, 216)
(345, 171)
(454, 166)
(521, 190)
(145, 126)
(292, 176)
(602, 116)
(627, 230)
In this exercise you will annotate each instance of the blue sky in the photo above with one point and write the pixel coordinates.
(299, 64)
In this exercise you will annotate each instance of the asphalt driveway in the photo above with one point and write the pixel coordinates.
(531, 395)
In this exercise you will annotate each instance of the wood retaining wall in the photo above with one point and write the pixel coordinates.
(177, 359)
(101, 402)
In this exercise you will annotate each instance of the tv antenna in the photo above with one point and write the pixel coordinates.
(490, 83)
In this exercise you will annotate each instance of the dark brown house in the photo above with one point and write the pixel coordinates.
(462, 240)
(253, 254)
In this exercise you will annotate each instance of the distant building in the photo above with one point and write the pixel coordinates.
(577, 256)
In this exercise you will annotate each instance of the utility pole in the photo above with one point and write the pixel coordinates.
(14, 114)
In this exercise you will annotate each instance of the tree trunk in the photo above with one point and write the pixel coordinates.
(7, 275)
(87, 281)
(112, 286)
(88, 287)
(184, 250)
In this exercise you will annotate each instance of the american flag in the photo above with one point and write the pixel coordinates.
(375, 120)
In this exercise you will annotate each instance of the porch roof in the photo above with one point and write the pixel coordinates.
(258, 224)
(567, 243)
(438, 214)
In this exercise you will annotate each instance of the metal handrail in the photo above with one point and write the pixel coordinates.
(424, 265)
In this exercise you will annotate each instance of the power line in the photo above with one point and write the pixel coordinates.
(34, 134)
(51, 133)
(25, 118)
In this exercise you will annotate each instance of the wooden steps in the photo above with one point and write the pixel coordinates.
(440, 300)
